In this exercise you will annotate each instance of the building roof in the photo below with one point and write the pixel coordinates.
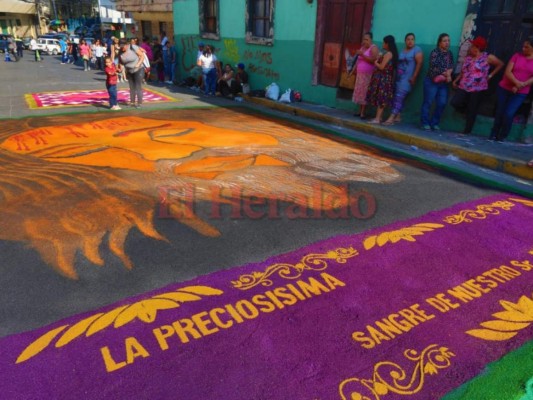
(17, 7)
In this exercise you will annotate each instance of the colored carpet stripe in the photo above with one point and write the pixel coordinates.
(88, 97)
(412, 310)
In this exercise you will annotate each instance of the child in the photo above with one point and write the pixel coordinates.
(111, 83)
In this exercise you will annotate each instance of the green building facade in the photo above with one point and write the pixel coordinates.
(310, 40)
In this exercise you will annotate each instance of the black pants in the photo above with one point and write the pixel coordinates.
(468, 103)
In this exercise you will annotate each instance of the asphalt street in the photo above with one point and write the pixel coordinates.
(34, 294)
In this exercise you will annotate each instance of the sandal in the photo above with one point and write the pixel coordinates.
(388, 123)
(530, 163)
(374, 121)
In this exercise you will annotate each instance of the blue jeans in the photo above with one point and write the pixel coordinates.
(437, 92)
(112, 90)
(210, 80)
(508, 105)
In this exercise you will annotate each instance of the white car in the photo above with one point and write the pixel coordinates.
(51, 46)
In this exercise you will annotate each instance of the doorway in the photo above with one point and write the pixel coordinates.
(340, 28)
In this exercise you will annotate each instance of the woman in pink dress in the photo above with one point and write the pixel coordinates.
(513, 90)
(472, 83)
(367, 55)
(85, 53)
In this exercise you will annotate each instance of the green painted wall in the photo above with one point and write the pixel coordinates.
(289, 61)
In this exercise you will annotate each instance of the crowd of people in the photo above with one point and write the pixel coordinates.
(385, 78)
(216, 78)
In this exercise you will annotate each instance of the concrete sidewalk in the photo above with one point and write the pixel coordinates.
(507, 157)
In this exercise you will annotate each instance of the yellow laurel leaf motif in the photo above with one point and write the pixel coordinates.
(488, 334)
(430, 225)
(201, 290)
(504, 326)
(178, 296)
(104, 321)
(39, 345)
(76, 330)
(512, 307)
(525, 304)
(383, 238)
(528, 203)
(369, 242)
(395, 236)
(513, 316)
(356, 396)
(145, 310)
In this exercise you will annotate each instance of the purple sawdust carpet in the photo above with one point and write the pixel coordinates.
(410, 310)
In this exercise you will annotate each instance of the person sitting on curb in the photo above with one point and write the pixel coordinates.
(241, 79)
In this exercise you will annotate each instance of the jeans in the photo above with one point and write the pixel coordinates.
(135, 81)
(437, 92)
(210, 80)
(112, 90)
(64, 57)
(508, 105)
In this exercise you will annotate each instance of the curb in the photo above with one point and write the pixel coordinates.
(509, 166)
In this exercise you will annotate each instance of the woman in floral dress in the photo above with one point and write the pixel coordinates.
(381, 90)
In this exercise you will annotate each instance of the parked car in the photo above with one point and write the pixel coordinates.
(51, 46)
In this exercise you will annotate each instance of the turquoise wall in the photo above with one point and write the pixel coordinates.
(289, 61)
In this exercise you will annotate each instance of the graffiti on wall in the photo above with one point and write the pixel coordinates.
(231, 51)
(259, 63)
(189, 51)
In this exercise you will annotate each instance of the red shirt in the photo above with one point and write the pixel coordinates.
(111, 75)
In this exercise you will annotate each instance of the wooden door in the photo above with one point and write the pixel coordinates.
(342, 24)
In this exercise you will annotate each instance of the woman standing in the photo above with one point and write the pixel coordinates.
(512, 90)
(85, 53)
(473, 81)
(436, 83)
(410, 62)
(132, 60)
(366, 56)
(208, 63)
(381, 89)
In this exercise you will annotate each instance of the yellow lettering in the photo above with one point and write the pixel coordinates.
(162, 337)
(110, 364)
(367, 343)
(331, 281)
(388, 328)
(376, 335)
(263, 303)
(313, 287)
(247, 309)
(402, 324)
(202, 323)
(289, 299)
(134, 349)
(218, 322)
(185, 327)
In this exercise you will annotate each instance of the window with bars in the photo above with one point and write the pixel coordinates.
(209, 21)
(260, 25)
